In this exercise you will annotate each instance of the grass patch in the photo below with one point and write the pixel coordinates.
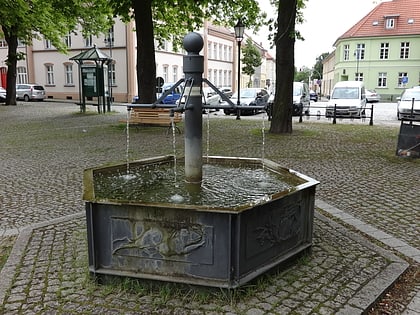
(5, 249)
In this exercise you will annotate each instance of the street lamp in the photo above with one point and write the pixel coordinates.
(239, 36)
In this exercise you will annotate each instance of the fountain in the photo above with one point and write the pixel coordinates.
(222, 223)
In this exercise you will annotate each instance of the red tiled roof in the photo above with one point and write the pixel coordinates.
(373, 24)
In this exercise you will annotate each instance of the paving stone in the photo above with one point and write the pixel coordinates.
(54, 255)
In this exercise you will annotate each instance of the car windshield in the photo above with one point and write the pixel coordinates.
(410, 94)
(297, 90)
(345, 93)
(246, 93)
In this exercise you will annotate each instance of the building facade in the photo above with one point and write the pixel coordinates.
(382, 49)
(60, 75)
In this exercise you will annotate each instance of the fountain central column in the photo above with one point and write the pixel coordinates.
(193, 65)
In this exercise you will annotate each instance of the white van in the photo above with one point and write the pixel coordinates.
(349, 100)
(301, 98)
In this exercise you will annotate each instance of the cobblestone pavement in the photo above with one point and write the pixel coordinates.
(371, 196)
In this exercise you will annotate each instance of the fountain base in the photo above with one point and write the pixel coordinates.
(198, 244)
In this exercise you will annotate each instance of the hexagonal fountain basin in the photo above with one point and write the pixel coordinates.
(222, 236)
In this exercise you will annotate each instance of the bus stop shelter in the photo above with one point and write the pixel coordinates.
(93, 78)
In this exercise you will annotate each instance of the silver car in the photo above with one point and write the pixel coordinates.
(28, 92)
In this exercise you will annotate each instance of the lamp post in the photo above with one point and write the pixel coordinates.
(239, 36)
(357, 54)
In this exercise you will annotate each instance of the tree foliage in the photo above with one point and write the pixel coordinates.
(171, 20)
(23, 21)
(251, 59)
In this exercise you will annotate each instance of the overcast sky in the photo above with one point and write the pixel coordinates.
(325, 21)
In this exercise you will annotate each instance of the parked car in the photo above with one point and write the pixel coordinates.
(372, 96)
(349, 99)
(29, 92)
(170, 98)
(2, 95)
(209, 97)
(227, 90)
(249, 97)
(408, 105)
(313, 96)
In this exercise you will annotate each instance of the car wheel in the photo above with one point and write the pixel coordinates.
(26, 98)
(226, 112)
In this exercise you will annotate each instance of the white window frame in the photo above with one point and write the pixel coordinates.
(346, 52)
(68, 74)
(404, 50)
(384, 51)
(382, 79)
(390, 23)
(49, 74)
(22, 75)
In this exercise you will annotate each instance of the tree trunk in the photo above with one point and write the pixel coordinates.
(285, 51)
(12, 58)
(146, 64)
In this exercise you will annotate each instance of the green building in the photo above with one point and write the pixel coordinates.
(382, 49)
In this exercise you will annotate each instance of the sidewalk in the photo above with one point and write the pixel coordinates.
(357, 254)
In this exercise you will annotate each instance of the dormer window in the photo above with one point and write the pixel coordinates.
(390, 23)
(410, 21)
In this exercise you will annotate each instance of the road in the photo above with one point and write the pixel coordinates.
(383, 114)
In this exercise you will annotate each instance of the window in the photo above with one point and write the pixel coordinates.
(358, 76)
(21, 43)
(67, 40)
(109, 38)
(50, 74)
(390, 23)
(402, 79)
(209, 45)
(22, 76)
(360, 52)
(111, 73)
(405, 49)
(165, 73)
(174, 73)
(3, 43)
(47, 44)
(230, 57)
(88, 41)
(346, 52)
(382, 79)
(225, 57)
(214, 50)
(384, 52)
(210, 72)
(68, 74)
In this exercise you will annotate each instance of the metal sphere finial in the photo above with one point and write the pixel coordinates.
(193, 43)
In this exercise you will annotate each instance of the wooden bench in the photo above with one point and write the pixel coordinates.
(153, 117)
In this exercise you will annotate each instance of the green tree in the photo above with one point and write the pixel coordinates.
(289, 13)
(22, 20)
(171, 20)
(251, 59)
